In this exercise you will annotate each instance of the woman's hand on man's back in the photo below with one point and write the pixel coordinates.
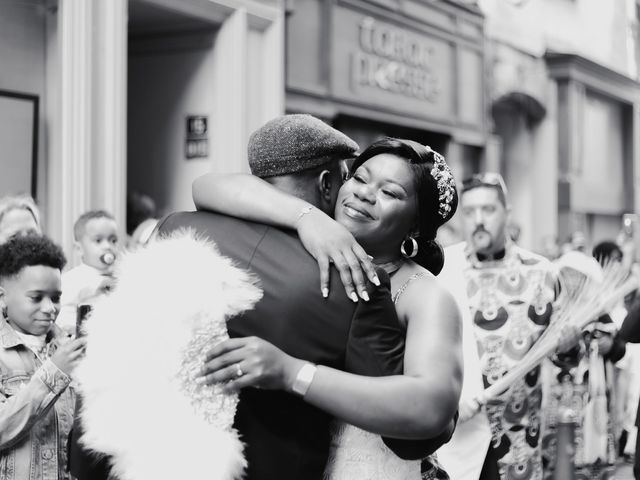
(330, 242)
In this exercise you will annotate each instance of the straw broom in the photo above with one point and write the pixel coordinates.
(577, 308)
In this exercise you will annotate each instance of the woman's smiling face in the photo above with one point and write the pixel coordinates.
(378, 203)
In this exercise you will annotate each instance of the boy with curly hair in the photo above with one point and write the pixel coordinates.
(36, 361)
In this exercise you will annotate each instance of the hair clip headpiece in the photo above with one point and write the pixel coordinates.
(441, 173)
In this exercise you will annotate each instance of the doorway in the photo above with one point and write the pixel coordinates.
(170, 79)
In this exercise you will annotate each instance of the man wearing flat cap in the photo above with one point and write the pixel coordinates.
(285, 437)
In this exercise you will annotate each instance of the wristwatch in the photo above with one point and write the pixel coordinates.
(303, 379)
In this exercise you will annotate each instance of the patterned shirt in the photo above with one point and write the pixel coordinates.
(511, 304)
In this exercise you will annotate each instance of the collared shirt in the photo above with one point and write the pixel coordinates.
(36, 410)
(510, 303)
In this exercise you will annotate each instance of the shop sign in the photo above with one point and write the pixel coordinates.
(376, 62)
(394, 60)
(197, 143)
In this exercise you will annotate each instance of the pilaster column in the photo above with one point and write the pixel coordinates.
(635, 155)
(230, 120)
(545, 172)
(70, 190)
(273, 85)
(109, 157)
(576, 100)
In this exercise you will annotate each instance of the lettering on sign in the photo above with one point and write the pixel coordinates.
(197, 142)
(393, 60)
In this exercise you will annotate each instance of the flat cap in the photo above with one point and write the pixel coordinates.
(293, 143)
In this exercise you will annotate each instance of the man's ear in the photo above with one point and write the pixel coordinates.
(509, 212)
(324, 185)
(3, 304)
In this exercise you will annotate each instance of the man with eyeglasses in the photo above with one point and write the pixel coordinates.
(510, 293)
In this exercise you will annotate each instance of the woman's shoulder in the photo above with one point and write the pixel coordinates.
(419, 286)
(425, 300)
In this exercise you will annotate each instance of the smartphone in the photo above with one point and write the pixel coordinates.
(83, 312)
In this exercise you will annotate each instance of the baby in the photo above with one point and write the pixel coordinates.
(96, 237)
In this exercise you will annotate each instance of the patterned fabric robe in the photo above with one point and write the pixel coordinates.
(511, 304)
(569, 387)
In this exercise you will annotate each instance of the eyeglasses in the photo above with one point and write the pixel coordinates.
(486, 179)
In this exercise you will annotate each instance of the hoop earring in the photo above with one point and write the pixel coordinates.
(414, 247)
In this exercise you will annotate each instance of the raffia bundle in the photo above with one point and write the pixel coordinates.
(576, 307)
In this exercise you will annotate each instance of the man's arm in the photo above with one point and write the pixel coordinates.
(376, 343)
(165, 226)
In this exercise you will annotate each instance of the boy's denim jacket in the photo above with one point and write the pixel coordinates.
(36, 411)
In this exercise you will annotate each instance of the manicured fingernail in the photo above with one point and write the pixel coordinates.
(200, 380)
(370, 257)
(365, 296)
(376, 281)
(325, 292)
(353, 297)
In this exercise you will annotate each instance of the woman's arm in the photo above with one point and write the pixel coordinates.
(248, 197)
(251, 198)
(419, 404)
(422, 402)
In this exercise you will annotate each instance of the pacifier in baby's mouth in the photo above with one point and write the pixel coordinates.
(108, 258)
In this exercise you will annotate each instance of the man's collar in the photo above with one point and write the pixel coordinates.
(499, 255)
(480, 260)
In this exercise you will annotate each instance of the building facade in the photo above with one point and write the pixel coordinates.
(564, 98)
(543, 91)
(131, 95)
(100, 98)
(411, 68)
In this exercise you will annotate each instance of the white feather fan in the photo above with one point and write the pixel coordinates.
(146, 341)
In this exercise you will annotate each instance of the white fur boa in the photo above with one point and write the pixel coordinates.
(146, 341)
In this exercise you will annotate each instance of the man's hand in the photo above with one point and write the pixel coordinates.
(570, 335)
(329, 242)
(468, 409)
(605, 343)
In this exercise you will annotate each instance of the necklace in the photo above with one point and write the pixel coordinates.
(391, 267)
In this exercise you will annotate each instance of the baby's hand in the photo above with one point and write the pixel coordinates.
(106, 285)
(90, 293)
